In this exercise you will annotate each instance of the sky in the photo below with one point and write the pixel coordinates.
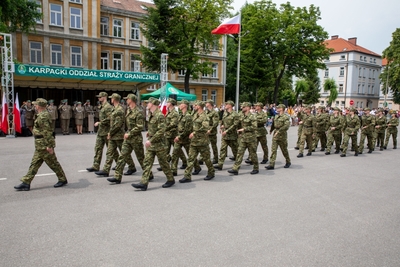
(371, 21)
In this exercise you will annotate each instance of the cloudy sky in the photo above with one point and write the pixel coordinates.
(372, 22)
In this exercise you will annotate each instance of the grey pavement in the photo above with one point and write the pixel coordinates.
(322, 211)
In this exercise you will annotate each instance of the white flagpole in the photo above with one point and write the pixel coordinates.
(238, 66)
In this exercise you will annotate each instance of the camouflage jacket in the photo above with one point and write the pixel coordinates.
(214, 121)
(309, 125)
(352, 125)
(134, 121)
(43, 131)
(201, 124)
(394, 122)
(171, 122)
(280, 125)
(249, 124)
(104, 117)
(381, 122)
(337, 122)
(117, 123)
(261, 118)
(368, 121)
(320, 122)
(185, 127)
(156, 131)
(229, 124)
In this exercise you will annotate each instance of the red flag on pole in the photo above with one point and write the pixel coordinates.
(229, 26)
(17, 115)
(163, 107)
(4, 117)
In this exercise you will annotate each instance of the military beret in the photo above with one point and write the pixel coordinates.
(79, 103)
(131, 97)
(115, 96)
(88, 100)
(209, 101)
(321, 107)
(172, 101)
(184, 101)
(246, 104)
(281, 106)
(336, 108)
(229, 102)
(40, 102)
(28, 101)
(154, 101)
(102, 94)
(352, 109)
(308, 107)
(367, 109)
(392, 111)
(380, 110)
(259, 104)
(201, 104)
(51, 101)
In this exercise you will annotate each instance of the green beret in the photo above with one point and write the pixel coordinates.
(201, 104)
(154, 101)
(131, 97)
(184, 101)
(281, 106)
(336, 108)
(28, 101)
(259, 104)
(102, 94)
(115, 96)
(321, 107)
(88, 100)
(172, 101)
(79, 103)
(380, 110)
(209, 101)
(51, 101)
(229, 102)
(352, 109)
(246, 104)
(367, 109)
(40, 102)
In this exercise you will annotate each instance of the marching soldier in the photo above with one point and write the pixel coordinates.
(367, 130)
(308, 132)
(380, 127)
(155, 145)
(280, 127)
(392, 129)
(321, 121)
(261, 132)
(228, 128)
(44, 149)
(248, 139)
(300, 115)
(351, 128)
(335, 126)
(212, 133)
(53, 113)
(65, 116)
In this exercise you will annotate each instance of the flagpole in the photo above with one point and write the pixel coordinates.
(238, 68)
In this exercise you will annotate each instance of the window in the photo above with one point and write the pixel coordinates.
(181, 72)
(372, 89)
(363, 72)
(204, 95)
(35, 49)
(359, 88)
(369, 89)
(55, 15)
(76, 18)
(135, 30)
(135, 63)
(337, 103)
(358, 104)
(365, 59)
(104, 26)
(361, 58)
(215, 45)
(363, 89)
(39, 10)
(76, 56)
(342, 57)
(322, 102)
(104, 61)
(214, 70)
(359, 72)
(76, 1)
(117, 61)
(340, 88)
(370, 60)
(341, 71)
(56, 54)
(214, 96)
(327, 72)
(204, 75)
(361, 104)
(117, 28)
(373, 74)
(342, 104)
(375, 60)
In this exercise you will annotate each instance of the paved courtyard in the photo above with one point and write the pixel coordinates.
(322, 211)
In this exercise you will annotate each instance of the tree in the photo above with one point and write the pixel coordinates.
(312, 94)
(18, 15)
(285, 40)
(182, 28)
(300, 87)
(331, 87)
(390, 77)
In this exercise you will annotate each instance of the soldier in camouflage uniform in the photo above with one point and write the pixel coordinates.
(199, 143)
(212, 133)
(105, 110)
(44, 148)
(335, 126)
(321, 124)
(115, 137)
(261, 132)
(392, 124)
(350, 129)
(229, 126)
(280, 127)
(247, 139)
(309, 131)
(155, 146)
(300, 115)
(367, 130)
(380, 127)
(133, 140)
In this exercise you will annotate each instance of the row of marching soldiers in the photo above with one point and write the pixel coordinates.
(195, 132)
(329, 129)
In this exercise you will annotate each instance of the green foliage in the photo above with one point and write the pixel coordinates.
(392, 54)
(312, 94)
(18, 15)
(331, 87)
(182, 28)
(301, 87)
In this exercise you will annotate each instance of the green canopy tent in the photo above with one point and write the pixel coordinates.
(169, 89)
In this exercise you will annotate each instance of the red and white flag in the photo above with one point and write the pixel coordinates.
(17, 115)
(163, 106)
(4, 116)
(229, 26)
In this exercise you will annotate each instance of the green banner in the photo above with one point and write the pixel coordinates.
(74, 73)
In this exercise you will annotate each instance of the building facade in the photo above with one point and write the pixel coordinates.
(386, 96)
(356, 71)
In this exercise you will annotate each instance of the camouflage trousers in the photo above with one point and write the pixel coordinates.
(319, 136)
(65, 126)
(38, 158)
(283, 144)
(334, 137)
(170, 143)
(346, 140)
(299, 132)
(262, 140)
(194, 151)
(112, 154)
(148, 164)
(126, 156)
(233, 144)
(394, 136)
(251, 145)
(177, 153)
(306, 137)
(370, 143)
(101, 141)
(379, 139)
(214, 148)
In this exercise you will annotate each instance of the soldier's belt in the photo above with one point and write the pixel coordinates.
(38, 136)
(307, 126)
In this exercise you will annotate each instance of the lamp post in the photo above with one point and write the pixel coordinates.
(163, 74)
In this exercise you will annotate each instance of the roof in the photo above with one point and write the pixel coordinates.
(340, 45)
(127, 5)
(384, 61)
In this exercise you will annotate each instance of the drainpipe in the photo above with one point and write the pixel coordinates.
(347, 71)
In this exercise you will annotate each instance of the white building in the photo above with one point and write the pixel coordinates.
(388, 98)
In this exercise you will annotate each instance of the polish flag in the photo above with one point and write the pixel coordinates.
(163, 107)
(17, 115)
(4, 117)
(229, 26)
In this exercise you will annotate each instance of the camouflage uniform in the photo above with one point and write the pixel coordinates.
(171, 131)
(229, 124)
(350, 131)
(43, 134)
(368, 132)
(300, 115)
(280, 125)
(392, 130)
(336, 134)
(308, 132)
(380, 127)
(261, 132)
(134, 121)
(212, 136)
(321, 124)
